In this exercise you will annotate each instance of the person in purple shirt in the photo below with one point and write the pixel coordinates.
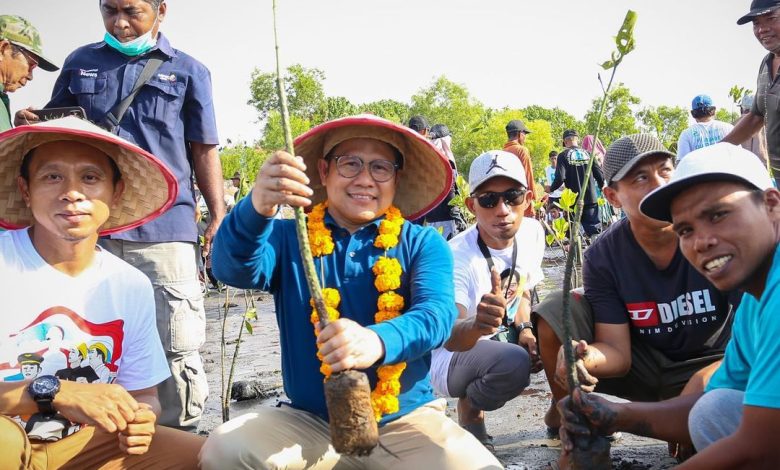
(172, 117)
(367, 170)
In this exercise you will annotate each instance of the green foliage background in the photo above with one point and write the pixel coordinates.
(475, 127)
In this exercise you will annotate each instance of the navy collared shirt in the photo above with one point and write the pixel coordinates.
(252, 251)
(175, 107)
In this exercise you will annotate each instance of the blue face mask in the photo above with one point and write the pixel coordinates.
(140, 45)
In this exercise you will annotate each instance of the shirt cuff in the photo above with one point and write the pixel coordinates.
(392, 340)
(249, 217)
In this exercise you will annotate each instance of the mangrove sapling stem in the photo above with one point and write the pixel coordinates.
(353, 427)
(574, 230)
(300, 219)
(225, 392)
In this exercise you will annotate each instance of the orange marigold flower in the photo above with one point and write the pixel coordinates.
(331, 296)
(390, 301)
(325, 370)
(385, 283)
(391, 371)
(384, 315)
(387, 266)
(386, 241)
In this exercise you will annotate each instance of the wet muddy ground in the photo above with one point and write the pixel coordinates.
(518, 429)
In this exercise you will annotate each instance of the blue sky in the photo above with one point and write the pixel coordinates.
(506, 52)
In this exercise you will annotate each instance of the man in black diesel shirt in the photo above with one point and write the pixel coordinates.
(649, 325)
(570, 172)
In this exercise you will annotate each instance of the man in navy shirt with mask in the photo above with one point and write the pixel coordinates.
(172, 116)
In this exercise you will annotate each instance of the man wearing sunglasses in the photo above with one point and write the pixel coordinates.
(649, 326)
(497, 263)
(20, 53)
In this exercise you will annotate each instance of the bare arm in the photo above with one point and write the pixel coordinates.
(608, 356)
(464, 334)
(490, 314)
(745, 129)
(208, 175)
(148, 396)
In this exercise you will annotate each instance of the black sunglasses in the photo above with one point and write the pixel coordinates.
(512, 197)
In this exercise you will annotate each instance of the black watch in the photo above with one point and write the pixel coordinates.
(43, 389)
(522, 326)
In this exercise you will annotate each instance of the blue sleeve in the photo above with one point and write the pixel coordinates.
(431, 315)
(734, 371)
(683, 145)
(246, 247)
(763, 388)
(61, 95)
(200, 123)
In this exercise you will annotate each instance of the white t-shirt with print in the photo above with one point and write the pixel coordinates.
(99, 326)
(472, 279)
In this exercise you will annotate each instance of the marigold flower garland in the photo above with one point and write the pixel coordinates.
(384, 397)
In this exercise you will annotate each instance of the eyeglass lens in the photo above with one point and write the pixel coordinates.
(513, 197)
(349, 166)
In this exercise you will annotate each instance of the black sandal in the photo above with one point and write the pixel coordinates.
(479, 431)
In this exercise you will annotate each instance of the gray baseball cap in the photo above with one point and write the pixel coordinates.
(626, 152)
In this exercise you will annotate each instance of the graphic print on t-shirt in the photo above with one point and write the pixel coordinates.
(60, 342)
(695, 304)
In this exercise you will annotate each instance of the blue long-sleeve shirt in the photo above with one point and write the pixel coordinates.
(253, 251)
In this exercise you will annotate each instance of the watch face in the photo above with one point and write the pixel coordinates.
(45, 386)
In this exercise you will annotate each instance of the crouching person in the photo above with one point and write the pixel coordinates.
(726, 213)
(390, 282)
(497, 263)
(81, 358)
(650, 327)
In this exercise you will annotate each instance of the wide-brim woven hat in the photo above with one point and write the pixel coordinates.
(719, 162)
(424, 181)
(150, 187)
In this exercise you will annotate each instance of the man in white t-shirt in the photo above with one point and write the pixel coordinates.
(84, 317)
(497, 264)
(706, 131)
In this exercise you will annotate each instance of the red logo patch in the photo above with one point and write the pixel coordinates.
(643, 314)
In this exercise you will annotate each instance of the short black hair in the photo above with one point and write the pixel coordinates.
(553, 153)
(705, 111)
(757, 195)
(24, 168)
(154, 3)
(512, 135)
(418, 123)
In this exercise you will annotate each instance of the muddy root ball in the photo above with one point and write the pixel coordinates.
(353, 429)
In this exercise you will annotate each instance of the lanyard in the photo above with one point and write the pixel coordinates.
(489, 259)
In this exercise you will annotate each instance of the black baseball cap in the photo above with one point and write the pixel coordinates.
(516, 125)
(570, 133)
(758, 8)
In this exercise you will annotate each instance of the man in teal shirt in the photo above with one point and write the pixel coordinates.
(726, 213)
(20, 53)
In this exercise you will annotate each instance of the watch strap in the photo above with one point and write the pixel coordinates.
(45, 406)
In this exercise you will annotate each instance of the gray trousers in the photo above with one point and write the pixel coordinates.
(489, 374)
(181, 322)
(715, 415)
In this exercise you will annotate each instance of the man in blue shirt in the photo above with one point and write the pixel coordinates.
(363, 168)
(173, 118)
(726, 213)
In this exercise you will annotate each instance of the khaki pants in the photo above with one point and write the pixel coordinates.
(90, 448)
(286, 438)
(181, 322)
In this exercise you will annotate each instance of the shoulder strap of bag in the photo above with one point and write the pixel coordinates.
(114, 117)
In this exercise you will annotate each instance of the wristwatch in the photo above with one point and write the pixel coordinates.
(522, 326)
(43, 390)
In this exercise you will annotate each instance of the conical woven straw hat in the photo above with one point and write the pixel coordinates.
(424, 181)
(150, 187)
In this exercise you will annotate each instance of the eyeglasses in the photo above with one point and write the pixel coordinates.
(349, 166)
(32, 62)
(512, 197)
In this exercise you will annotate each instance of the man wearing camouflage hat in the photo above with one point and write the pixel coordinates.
(20, 53)
(648, 332)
